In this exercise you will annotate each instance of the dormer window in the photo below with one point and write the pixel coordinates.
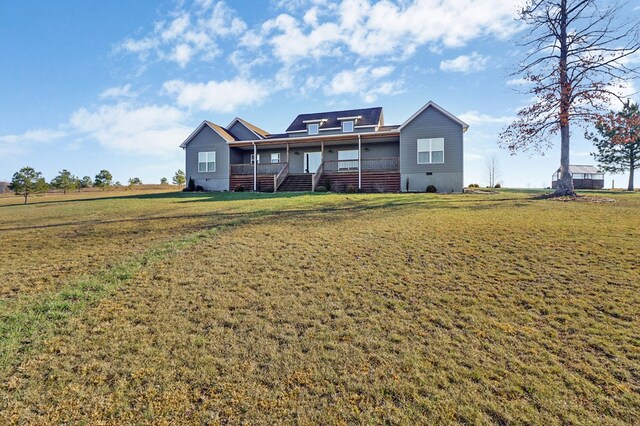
(349, 123)
(313, 128)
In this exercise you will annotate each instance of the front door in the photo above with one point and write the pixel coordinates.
(312, 161)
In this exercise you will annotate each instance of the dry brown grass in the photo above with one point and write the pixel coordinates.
(399, 309)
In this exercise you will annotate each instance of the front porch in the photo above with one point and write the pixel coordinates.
(370, 167)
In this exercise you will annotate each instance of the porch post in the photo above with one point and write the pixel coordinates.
(321, 151)
(255, 168)
(359, 162)
(287, 153)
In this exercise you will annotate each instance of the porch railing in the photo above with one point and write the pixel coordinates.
(315, 177)
(368, 164)
(263, 169)
(280, 177)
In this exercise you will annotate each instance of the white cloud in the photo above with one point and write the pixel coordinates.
(152, 130)
(176, 28)
(364, 81)
(465, 63)
(36, 135)
(384, 28)
(118, 92)
(182, 54)
(475, 117)
(518, 82)
(218, 96)
(624, 90)
(189, 35)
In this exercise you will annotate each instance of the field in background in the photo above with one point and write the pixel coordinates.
(328, 308)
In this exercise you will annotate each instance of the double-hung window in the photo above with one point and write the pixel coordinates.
(348, 159)
(431, 151)
(253, 159)
(207, 161)
(275, 157)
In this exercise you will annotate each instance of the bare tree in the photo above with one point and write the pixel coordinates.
(493, 170)
(577, 62)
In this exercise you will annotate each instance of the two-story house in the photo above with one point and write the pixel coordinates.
(352, 149)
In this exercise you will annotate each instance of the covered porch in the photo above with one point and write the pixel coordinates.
(307, 165)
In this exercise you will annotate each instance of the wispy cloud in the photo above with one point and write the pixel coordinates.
(118, 92)
(465, 63)
(31, 136)
(371, 29)
(218, 96)
(365, 81)
(152, 130)
(475, 118)
(189, 34)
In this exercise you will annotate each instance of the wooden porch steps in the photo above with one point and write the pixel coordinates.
(296, 183)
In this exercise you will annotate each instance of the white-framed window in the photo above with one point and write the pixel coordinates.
(275, 157)
(347, 126)
(207, 161)
(348, 159)
(431, 151)
(253, 159)
(313, 128)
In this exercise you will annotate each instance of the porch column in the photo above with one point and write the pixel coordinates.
(255, 168)
(359, 162)
(287, 153)
(321, 151)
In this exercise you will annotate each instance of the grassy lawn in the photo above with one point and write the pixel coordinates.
(175, 308)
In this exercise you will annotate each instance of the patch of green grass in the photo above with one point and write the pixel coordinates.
(386, 308)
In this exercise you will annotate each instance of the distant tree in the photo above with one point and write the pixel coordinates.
(179, 178)
(65, 181)
(164, 181)
(135, 181)
(85, 182)
(618, 141)
(27, 181)
(493, 170)
(117, 184)
(103, 179)
(577, 59)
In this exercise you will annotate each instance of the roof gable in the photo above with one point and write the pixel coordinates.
(221, 131)
(367, 117)
(583, 169)
(438, 108)
(260, 134)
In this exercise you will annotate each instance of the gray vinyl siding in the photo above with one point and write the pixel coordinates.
(265, 156)
(446, 177)
(208, 140)
(240, 131)
(236, 156)
(375, 150)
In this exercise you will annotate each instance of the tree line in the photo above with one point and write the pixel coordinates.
(27, 181)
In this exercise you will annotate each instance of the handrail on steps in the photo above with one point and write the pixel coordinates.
(280, 177)
(315, 177)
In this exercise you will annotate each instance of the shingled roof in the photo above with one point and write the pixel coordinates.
(582, 169)
(368, 117)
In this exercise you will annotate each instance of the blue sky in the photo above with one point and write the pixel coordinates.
(120, 84)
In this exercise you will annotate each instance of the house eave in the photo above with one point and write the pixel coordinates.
(320, 138)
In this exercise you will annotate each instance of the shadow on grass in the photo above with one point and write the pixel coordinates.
(178, 195)
(334, 209)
